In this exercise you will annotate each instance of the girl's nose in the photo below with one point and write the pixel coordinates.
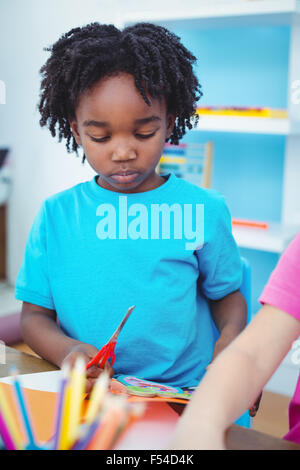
(123, 153)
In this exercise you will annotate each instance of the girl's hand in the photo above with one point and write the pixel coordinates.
(87, 352)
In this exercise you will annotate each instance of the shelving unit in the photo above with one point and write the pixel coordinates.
(245, 124)
(196, 14)
(274, 239)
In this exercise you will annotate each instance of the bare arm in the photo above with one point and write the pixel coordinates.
(42, 333)
(235, 378)
(230, 317)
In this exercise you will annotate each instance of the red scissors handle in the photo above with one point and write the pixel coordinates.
(108, 350)
(102, 356)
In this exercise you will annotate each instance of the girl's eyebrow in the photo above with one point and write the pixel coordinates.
(92, 123)
(146, 120)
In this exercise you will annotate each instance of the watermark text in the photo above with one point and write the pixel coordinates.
(2, 353)
(295, 97)
(2, 92)
(159, 222)
(295, 357)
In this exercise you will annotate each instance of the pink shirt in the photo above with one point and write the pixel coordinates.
(283, 291)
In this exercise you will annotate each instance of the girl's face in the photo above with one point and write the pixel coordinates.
(121, 135)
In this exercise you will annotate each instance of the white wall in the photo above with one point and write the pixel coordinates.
(40, 165)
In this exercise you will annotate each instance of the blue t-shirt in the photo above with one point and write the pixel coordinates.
(92, 253)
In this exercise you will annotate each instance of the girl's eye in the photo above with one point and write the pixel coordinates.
(100, 139)
(105, 139)
(145, 136)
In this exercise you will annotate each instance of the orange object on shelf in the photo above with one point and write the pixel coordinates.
(250, 224)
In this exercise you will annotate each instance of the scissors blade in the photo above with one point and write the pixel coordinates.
(118, 330)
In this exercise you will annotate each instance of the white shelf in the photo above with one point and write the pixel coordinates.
(254, 125)
(274, 239)
(216, 14)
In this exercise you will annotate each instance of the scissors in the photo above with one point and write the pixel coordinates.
(108, 350)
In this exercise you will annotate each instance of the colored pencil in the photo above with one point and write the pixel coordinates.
(112, 420)
(96, 399)
(60, 407)
(10, 422)
(63, 437)
(5, 434)
(133, 412)
(76, 399)
(86, 433)
(23, 410)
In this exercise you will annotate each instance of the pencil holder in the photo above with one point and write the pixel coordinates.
(78, 423)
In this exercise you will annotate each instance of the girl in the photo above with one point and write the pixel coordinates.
(117, 240)
(240, 372)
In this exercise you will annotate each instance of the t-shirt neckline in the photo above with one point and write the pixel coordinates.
(98, 192)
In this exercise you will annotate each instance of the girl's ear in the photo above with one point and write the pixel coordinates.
(170, 124)
(74, 127)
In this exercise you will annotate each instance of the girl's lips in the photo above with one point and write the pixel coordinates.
(124, 177)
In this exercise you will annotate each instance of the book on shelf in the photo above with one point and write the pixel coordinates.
(242, 111)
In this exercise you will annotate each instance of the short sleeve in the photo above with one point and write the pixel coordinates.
(32, 284)
(283, 288)
(220, 264)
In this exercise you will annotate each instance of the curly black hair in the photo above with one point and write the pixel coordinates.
(154, 56)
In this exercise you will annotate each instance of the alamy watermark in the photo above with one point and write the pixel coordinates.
(2, 353)
(160, 222)
(295, 97)
(295, 357)
(2, 92)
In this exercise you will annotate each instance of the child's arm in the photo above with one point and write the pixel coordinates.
(235, 378)
(42, 333)
(230, 317)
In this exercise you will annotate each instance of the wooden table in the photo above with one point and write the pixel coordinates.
(238, 438)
